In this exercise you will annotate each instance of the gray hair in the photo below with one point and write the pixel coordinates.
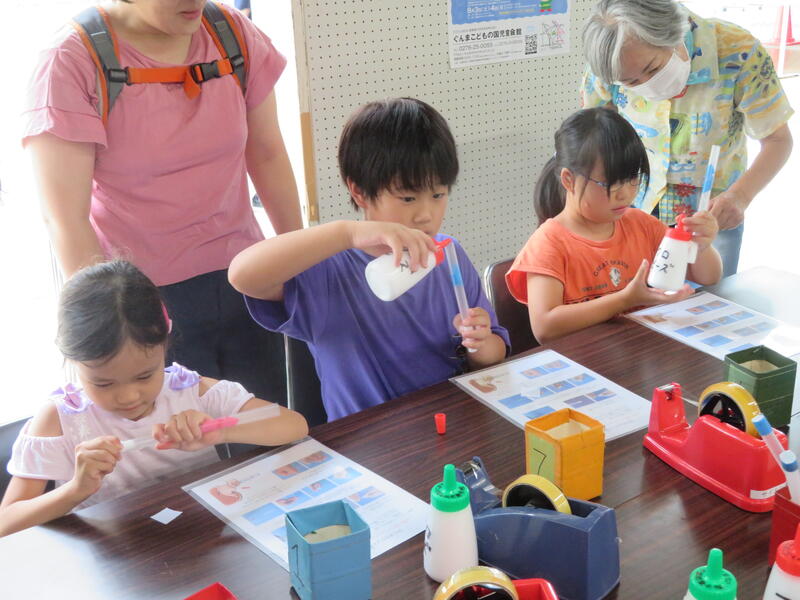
(656, 22)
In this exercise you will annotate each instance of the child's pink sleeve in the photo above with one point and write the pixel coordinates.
(35, 457)
(224, 398)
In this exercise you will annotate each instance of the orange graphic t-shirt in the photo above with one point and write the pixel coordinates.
(587, 269)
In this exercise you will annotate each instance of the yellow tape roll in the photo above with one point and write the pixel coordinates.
(486, 578)
(723, 399)
(535, 490)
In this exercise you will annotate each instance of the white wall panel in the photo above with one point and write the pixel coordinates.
(503, 116)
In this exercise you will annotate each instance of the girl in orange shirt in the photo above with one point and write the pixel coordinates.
(588, 260)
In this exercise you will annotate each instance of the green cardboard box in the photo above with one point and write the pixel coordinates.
(768, 376)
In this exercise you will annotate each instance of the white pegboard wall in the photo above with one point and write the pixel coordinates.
(503, 116)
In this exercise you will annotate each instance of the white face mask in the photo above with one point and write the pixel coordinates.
(668, 82)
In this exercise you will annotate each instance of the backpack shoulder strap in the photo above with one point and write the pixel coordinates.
(226, 35)
(95, 31)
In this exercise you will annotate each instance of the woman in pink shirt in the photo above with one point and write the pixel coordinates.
(164, 182)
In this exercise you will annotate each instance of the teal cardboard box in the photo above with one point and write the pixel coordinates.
(768, 376)
(329, 554)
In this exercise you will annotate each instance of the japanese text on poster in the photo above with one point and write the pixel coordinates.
(491, 31)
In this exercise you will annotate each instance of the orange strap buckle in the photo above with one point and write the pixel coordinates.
(190, 76)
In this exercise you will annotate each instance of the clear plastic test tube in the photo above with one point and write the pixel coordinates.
(789, 464)
(768, 435)
(458, 283)
(711, 171)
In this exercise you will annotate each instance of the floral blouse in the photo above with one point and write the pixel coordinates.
(733, 90)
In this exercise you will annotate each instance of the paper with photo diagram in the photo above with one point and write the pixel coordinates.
(254, 497)
(541, 383)
(718, 326)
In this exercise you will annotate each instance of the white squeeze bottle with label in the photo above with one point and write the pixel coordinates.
(784, 580)
(675, 253)
(450, 542)
(388, 281)
(711, 582)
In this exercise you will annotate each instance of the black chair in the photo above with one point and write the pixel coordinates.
(511, 314)
(303, 386)
(303, 390)
(8, 433)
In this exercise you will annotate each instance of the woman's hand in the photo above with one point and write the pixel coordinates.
(182, 432)
(729, 207)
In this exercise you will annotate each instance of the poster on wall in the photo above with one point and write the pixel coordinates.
(492, 31)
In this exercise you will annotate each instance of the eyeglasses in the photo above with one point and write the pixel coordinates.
(634, 183)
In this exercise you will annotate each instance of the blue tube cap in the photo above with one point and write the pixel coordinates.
(788, 461)
(762, 425)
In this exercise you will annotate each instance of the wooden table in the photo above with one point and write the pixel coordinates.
(666, 523)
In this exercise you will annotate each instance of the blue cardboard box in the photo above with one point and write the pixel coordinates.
(333, 569)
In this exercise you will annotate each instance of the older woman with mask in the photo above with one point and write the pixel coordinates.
(687, 83)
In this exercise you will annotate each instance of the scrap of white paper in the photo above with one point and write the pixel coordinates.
(166, 516)
(541, 383)
(254, 497)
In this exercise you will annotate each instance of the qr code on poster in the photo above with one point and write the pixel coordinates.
(530, 44)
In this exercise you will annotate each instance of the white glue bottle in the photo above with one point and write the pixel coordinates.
(388, 281)
(711, 582)
(675, 253)
(784, 580)
(450, 542)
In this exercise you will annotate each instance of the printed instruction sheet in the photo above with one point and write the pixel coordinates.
(482, 32)
(541, 383)
(718, 327)
(254, 497)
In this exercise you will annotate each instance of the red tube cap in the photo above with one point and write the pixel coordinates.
(441, 423)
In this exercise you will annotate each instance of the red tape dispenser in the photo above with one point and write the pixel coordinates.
(722, 451)
(488, 583)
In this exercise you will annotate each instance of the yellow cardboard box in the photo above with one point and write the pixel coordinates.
(567, 447)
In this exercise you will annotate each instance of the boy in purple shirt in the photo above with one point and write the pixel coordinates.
(398, 160)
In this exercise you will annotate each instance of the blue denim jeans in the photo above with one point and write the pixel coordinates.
(213, 334)
(728, 244)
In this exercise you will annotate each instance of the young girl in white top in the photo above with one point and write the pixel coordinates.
(113, 328)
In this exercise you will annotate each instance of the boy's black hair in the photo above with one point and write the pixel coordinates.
(399, 143)
(584, 137)
(103, 306)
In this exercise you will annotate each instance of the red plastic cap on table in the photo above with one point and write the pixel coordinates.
(441, 423)
(216, 591)
(788, 555)
(535, 589)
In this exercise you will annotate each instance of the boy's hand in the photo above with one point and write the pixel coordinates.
(381, 237)
(182, 432)
(94, 459)
(703, 227)
(638, 294)
(475, 329)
